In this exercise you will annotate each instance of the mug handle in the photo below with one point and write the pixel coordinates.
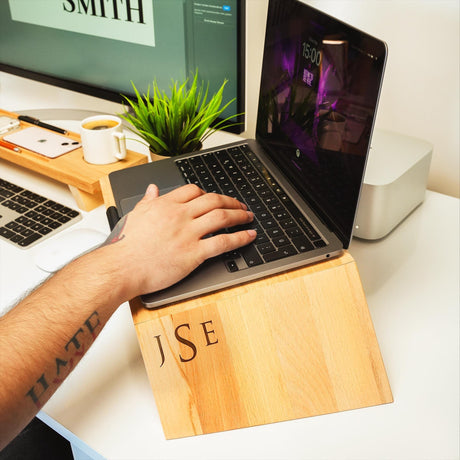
(121, 145)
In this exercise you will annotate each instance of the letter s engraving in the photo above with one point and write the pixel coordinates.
(186, 342)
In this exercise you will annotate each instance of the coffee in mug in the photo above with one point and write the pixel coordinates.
(98, 125)
(102, 139)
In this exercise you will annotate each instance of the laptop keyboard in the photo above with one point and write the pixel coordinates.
(282, 231)
(26, 218)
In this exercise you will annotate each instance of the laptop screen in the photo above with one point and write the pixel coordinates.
(319, 90)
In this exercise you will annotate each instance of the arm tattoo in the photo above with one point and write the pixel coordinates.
(73, 350)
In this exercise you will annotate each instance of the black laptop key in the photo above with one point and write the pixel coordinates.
(281, 215)
(261, 238)
(6, 233)
(268, 223)
(281, 241)
(302, 243)
(266, 247)
(258, 209)
(47, 212)
(49, 203)
(251, 201)
(274, 232)
(262, 214)
(288, 223)
(38, 198)
(283, 252)
(57, 206)
(31, 214)
(16, 238)
(27, 232)
(45, 230)
(54, 224)
(271, 201)
(36, 227)
(13, 226)
(265, 193)
(260, 187)
(27, 222)
(10, 205)
(29, 240)
(231, 266)
(63, 219)
(6, 193)
(250, 255)
(246, 192)
(292, 232)
(275, 207)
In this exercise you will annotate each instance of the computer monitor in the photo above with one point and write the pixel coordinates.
(98, 47)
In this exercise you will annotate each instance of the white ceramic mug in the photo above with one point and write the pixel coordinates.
(102, 139)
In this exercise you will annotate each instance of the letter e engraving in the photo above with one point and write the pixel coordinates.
(207, 332)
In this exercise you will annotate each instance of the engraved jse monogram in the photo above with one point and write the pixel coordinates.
(208, 334)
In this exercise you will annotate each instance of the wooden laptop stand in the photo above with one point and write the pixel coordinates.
(287, 346)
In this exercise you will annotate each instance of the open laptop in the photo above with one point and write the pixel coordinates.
(302, 175)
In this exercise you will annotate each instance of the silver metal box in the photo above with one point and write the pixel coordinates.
(394, 183)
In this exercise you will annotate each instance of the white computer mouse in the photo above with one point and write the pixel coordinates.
(60, 250)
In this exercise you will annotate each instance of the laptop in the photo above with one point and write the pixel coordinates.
(302, 174)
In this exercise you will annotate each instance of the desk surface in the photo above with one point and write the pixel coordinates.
(411, 283)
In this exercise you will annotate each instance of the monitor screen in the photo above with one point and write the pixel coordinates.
(99, 47)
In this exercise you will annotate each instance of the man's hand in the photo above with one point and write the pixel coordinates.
(162, 239)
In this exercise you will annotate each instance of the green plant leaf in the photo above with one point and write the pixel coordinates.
(181, 121)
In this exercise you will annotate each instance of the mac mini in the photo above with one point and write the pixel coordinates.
(394, 183)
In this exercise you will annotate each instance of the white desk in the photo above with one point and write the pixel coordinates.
(412, 288)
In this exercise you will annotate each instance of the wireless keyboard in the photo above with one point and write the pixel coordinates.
(27, 218)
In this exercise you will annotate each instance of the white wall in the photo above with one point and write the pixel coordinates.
(420, 95)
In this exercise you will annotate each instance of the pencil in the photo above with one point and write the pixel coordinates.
(9, 145)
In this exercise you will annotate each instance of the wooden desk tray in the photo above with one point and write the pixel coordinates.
(82, 178)
(289, 346)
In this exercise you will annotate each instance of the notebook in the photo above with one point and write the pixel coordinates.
(302, 174)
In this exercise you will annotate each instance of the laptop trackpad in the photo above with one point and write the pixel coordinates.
(127, 204)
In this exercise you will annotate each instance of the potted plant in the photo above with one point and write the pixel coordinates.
(180, 122)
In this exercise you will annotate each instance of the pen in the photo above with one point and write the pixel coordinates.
(37, 122)
(9, 145)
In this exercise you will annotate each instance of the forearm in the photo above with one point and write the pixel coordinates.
(43, 337)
